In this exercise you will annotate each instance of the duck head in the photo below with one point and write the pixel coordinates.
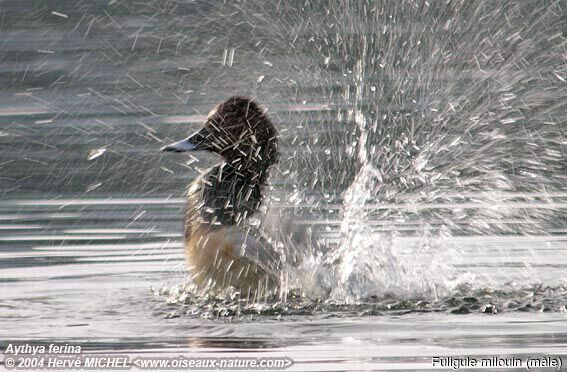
(239, 131)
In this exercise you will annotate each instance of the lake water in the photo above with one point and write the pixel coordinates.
(424, 144)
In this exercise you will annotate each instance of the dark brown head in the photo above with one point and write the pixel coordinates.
(238, 130)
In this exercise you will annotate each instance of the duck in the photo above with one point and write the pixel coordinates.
(223, 246)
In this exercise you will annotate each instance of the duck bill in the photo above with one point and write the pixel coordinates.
(196, 141)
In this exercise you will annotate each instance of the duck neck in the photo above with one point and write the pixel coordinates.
(233, 191)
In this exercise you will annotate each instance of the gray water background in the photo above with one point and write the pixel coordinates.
(425, 141)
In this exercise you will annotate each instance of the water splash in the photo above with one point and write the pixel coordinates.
(437, 122)
(371, 262)
(418, 123)
(461, 126)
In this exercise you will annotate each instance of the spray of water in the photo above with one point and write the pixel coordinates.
(405, 125)
(424, 122)
(455, 125)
